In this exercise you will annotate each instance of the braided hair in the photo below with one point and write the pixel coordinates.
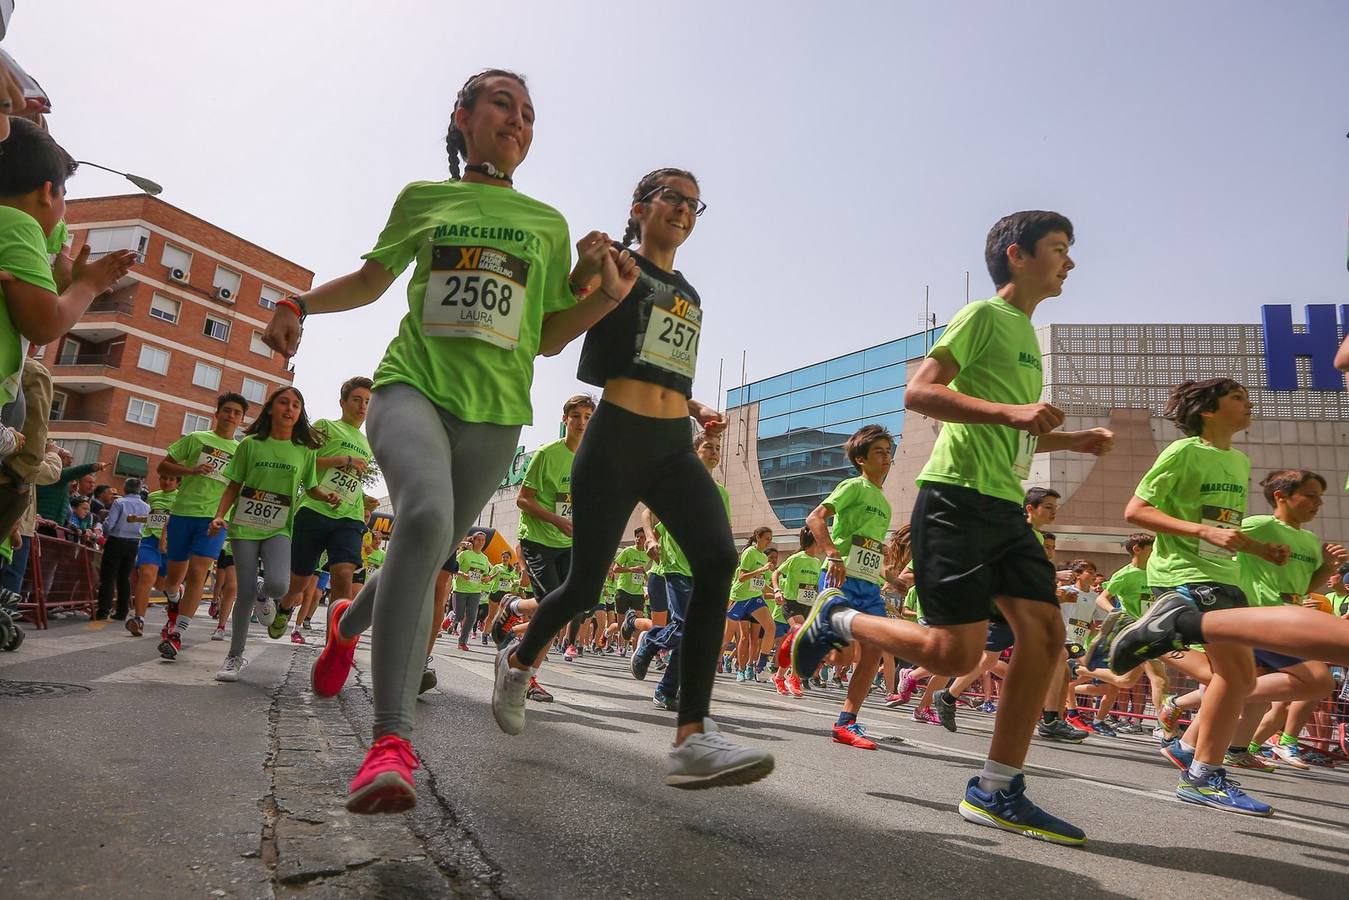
(1190, 399)
(455, 144)
(649, 183)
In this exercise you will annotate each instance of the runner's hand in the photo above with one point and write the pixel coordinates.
(565, 526)
(618, 274)
(214, 528)
(712, 422)
(837, 572)
(591, 252)
(333, 499)
(653, 553)
(203, 469)
(1096, 441)
(1336, 553)
(359, 465)
(1035, 418)
(283, 332)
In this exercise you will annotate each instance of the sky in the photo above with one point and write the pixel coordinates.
(850, 153)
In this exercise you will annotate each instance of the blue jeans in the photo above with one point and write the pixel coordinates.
(678, 588)
(11, 576)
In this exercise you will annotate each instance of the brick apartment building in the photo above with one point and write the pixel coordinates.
(145, 364)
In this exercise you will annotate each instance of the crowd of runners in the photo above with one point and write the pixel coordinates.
(1250, 607)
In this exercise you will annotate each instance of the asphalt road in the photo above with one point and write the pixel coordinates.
(130, 776)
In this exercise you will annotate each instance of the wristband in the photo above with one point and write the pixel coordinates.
(580, 292)
(837, 559)
(611, 297)
(294, 304)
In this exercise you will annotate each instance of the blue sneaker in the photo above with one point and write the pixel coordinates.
(1011, 810)
(817, 637)
(1219, 791)
(641, 660)
(664, 701)
(1181, 757)
(1103, 729)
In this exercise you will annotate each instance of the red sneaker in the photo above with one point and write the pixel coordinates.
(1080, 723)
(335, 661)
(785, 649)
(781, 684)
(445, 624)
(383, 784)
(853, 736)
(794, 685)
(169, 647)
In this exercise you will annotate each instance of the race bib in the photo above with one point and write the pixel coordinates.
(1077, 630)
(864, 559)
(564, 505)
(475, 577)
(342, 481)
(217, 459)
(806, 595)
(1218, 517)
(1025, 454)
(261, 509)
(672, 333)
(757, 582)
(157, 521)
(475, 292)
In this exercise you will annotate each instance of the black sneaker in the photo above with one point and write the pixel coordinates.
(428, 678)
(1059, 730)
(629, 624)
(946, 710)
(641, 661)
(665, 702)
(169, 647)
(1151, 636)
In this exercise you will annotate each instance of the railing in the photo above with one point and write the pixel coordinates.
(111, 303)
(86, 361)
(77, 419)
(61, 575)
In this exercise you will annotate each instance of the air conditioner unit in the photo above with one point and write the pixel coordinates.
(178, 275)
(223, 294)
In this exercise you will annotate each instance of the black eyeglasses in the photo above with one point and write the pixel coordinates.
(670, 196)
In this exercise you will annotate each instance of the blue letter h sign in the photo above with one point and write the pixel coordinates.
(1283, 346)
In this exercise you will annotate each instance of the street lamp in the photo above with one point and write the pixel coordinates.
(144, 184)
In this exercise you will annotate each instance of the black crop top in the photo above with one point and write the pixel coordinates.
(652, 336)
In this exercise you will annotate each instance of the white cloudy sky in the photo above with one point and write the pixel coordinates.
(851, 153)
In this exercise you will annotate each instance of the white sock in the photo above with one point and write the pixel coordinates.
(1185, 747)
(181, 625)
(996, 777)
(841, 621)
(1200, 771)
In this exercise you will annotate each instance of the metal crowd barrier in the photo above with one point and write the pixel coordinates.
(62, 575)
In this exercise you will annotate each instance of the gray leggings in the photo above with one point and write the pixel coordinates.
(466, 613)
(275, 555)
(440, 472)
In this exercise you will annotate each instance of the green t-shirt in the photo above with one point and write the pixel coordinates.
(610, 588)
(672, 558)
(23, 254)
(508, 579)
(340, 439)
(493, 263)
(273, 474)
(161, 504)
(1129, 586)
(632, 582)
(912, 602)
(753, 558)
(798, 574)
(199, 495)
(7, 548)
(473, 572)
(1196, 482)
(1266, 584)
(998, 353)
(861, 518)
(549, 474)
(1339, 603)
(373, 561)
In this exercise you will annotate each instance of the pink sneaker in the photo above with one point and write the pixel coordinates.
(383, 784)
(296, 638)
(570, 653)
(927, 715)
(907, 685)
(334, 663)
(794, 685)
(893, 700)
(781, 684)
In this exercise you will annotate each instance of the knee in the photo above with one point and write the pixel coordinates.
(1322, 685)
(953, 658)
(276, 585)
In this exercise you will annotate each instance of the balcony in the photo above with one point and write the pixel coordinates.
(75, 419)
(76, 372)
(107, 316)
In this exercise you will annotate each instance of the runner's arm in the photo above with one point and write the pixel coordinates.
(928, 393)
(649, 521)
(617, 273)
(226, 501)
(351, 291)
(1342, 357)
(527, 503)
(1143, 514)
(170, 466)
(1103, 601)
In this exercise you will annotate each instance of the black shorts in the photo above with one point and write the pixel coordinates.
(449, 566)
(623, 602)
(547, 566)
(1000, 635)
(1208, 596)
(795, 608)
(358, 576)
(225, 560)
(314, 532)
(495, 596)
(968, 548)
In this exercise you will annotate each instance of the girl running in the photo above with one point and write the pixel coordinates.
(747, 606)
(271, 466)
(490, 290)
(639, 447)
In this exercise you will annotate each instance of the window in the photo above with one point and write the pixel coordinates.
(142, 412)
(84, 452)
(70, 352)
(206, 376)
(194, 422)
(224, 278)
(131, 465)
(166, 309)
(267, 299)
(129, 237)
(40, 352)
(174, 258)
(59, 402)
(216, 328)
(254, 391)
(258, 346)
(154, 359)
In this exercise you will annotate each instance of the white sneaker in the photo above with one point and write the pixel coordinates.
(711, 760)
(219, 633)
(230, 669)
(265, 609)
(508, 692)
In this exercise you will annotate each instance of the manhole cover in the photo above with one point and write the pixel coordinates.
(39, 689)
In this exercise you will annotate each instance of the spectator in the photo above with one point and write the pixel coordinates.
(101, 501)
(81, 521)
(53, 500)
(119, 550)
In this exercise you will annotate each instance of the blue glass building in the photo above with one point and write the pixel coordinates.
(805, 416)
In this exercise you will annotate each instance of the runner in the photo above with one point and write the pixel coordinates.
(1129, 587)
(199, 459)
(746, 602)
(452, 391)
(972, 545)
(151, 556)
(639, 448)
(474, 568)
(319, 528)
(630, 565)
(795, 585)
(274, 464)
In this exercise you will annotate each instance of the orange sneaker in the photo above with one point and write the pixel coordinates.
(335, 661)
(384, 782)
(853, 735)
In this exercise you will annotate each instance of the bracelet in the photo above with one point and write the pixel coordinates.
(291, 304)
(580, 292)
(837, 559)
(611, 297)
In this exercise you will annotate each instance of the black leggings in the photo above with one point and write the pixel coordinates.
(624, 459)
(548, 568)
